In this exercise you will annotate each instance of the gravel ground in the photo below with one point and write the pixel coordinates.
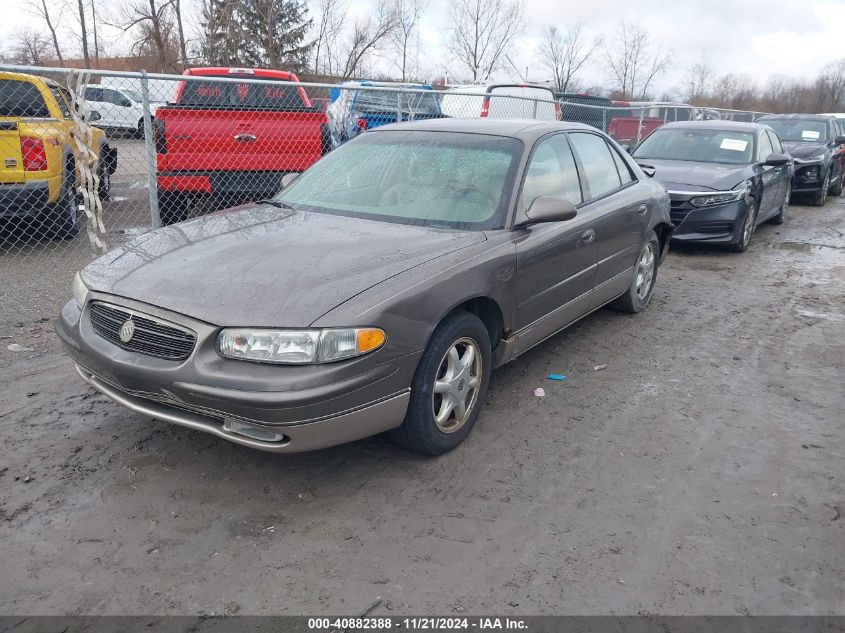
(700, 473)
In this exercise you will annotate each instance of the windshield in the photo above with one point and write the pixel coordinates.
(698, 145)
(438, 179)
(799, 130)
(387, 101)
(132, 95)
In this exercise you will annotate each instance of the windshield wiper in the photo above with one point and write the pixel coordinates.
(277, 204)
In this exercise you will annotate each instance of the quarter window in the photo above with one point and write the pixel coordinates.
(599, 164)
(551, 172)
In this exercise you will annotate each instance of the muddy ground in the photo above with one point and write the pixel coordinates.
(701, 472)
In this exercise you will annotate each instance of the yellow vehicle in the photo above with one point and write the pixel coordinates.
(38, 157)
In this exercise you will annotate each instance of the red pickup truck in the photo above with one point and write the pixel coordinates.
(233, 140)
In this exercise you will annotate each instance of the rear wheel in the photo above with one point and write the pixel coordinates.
(821, 195)
(63, 222)
(449, 387)
(638, 295)
(172, 207)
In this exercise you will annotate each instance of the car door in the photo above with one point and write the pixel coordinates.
(770, 178)
(556, 261)
(838, 159)
(620, 214)
(94, 97)
(119, 108)
(785, 172)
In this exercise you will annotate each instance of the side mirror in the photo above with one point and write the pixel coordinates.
(648, 170)
(777, 160)
(288, 179)
(545, 209)
(839, 140)
(95, 116)
(628, 147)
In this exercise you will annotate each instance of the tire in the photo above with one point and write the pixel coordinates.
(780, 218)
(836, 190)
(749, 223)
(420, 431)
(63, 222)
(638, 295)
(172, 207)
(104, 188)
(821, 195)
(139, 131)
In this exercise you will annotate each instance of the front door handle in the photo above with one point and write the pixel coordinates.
(588, 236)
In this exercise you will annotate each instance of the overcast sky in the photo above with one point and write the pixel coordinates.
(791, 37)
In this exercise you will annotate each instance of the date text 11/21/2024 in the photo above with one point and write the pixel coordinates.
(416, 623)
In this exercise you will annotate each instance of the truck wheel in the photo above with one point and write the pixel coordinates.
(63, 222)
(172, 207)
(449, 387)
(104, 173)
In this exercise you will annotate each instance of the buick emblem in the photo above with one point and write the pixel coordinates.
(127, 330)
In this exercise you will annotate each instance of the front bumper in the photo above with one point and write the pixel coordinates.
(719, 224)
(808, 177)
(24, 199)
(300, 407)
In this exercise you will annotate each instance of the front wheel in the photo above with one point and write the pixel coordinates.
(821, 195)
(780, 218)
(836, 190)
(638, 295)
(748, 223)
(449, 387)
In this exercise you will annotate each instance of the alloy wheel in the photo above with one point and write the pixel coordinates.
(456, 385)
(645, 270)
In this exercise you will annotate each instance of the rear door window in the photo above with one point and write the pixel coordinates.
(22, 99)
(597, 161)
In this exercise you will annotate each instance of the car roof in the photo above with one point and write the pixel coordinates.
(736, 126)
(811, 117)
(516, 128)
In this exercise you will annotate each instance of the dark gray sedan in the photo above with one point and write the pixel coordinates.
(375, 293)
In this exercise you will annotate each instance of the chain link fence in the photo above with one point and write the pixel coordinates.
(92, 159)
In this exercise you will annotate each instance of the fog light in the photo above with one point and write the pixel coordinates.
(253, 432)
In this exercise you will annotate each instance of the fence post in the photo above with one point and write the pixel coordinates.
(155, 218)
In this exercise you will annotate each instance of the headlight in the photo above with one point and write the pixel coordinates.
(298, 347)
(80, 290)
(722, 197)
(813, 159)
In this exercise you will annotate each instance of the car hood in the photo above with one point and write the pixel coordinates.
(691, 176)
(264, 266)
(799, 149)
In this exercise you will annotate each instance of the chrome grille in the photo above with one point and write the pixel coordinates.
(151, 336)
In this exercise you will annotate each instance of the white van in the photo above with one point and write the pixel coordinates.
(501, 101)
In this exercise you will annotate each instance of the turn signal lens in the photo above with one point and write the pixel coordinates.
(369, 340)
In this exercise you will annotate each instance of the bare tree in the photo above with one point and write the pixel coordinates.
(154, 25)
(40, 9)
(80, 16)
(698, 79)
(94, 30)
(631, 60)
(180, 32)
(408, 14)
(31, 47)
(563, 53)
(480, 31)
(831, 86)
(368, 36)
(328, 26)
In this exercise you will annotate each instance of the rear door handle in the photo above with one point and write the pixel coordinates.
(588, 236)
(642, 210)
